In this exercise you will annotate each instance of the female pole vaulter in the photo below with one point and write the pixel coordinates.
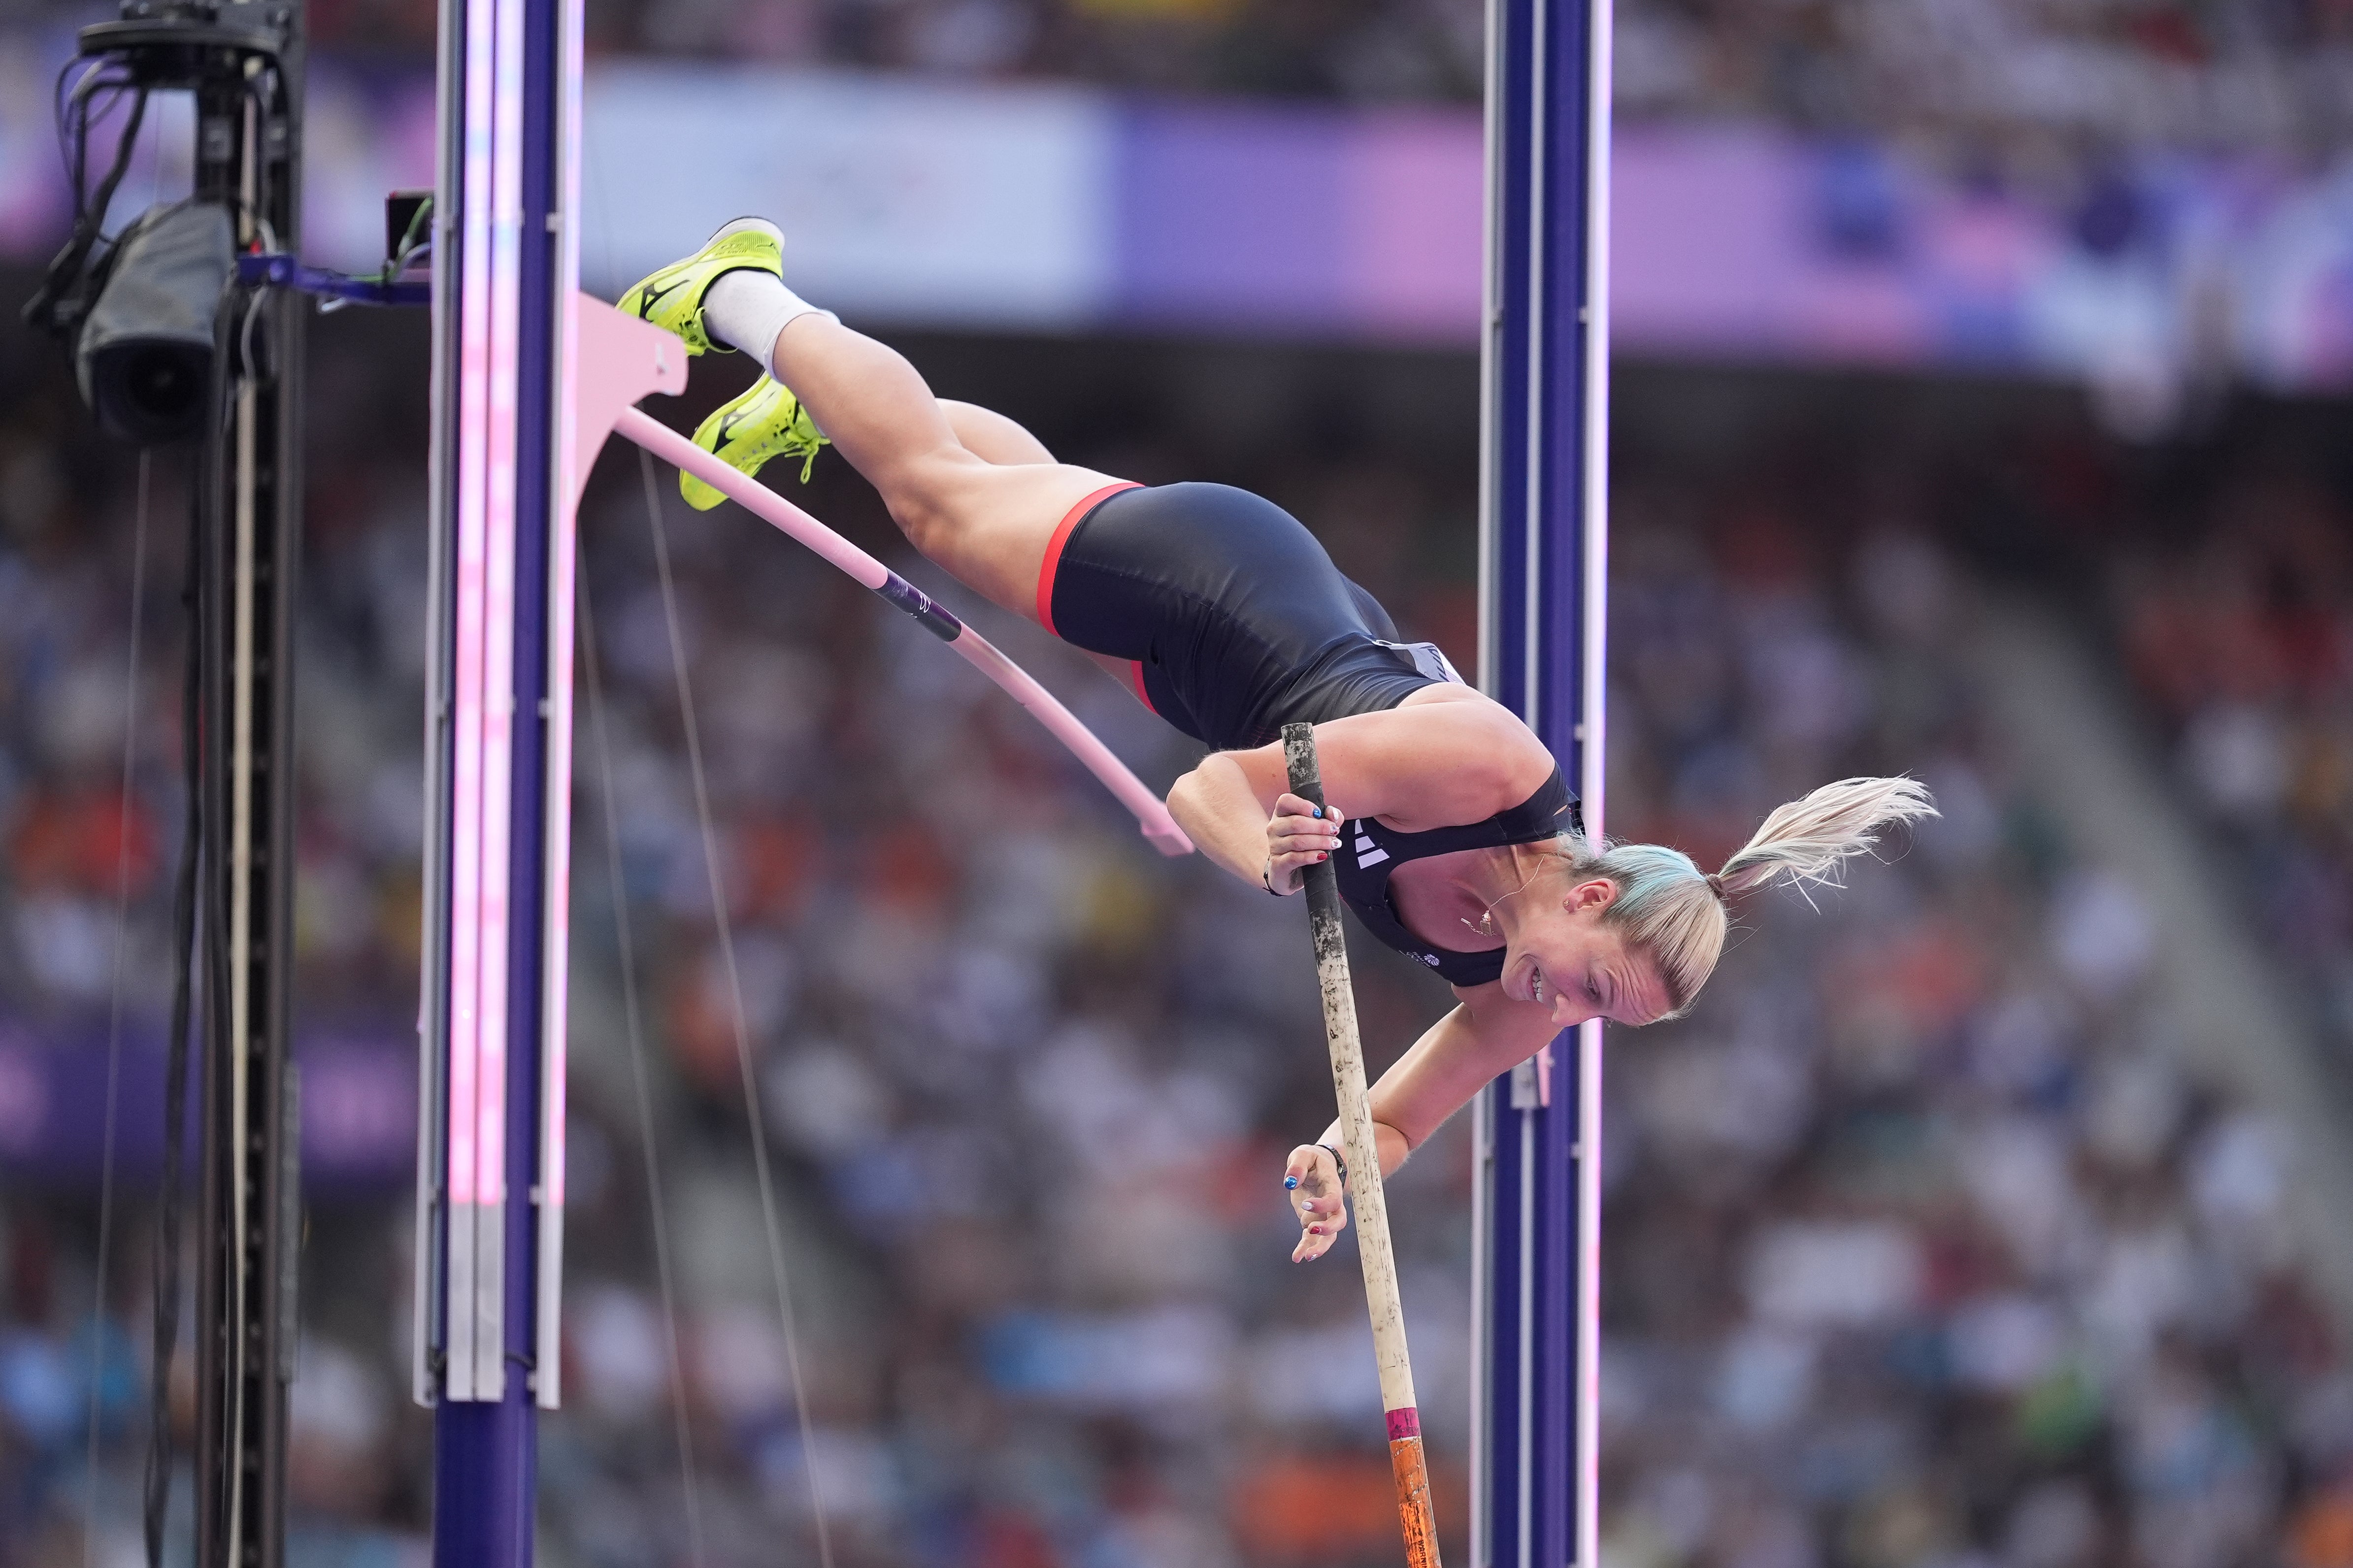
(1457, 841)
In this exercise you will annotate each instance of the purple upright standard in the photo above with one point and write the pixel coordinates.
(489, 1156)
(1543, 569)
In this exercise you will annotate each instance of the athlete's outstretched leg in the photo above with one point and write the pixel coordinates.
(987, 525)
(994, 438)
(975, 491)
(984, 520)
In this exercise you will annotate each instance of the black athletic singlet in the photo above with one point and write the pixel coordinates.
(1235, 619)
(1238, 623)
(1370, 852)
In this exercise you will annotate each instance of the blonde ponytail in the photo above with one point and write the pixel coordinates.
(1669, 910)
(1810, 840)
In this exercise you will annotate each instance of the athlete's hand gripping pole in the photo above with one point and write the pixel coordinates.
(1406, 1460)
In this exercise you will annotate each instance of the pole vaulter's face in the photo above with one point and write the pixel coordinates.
(1566, 959)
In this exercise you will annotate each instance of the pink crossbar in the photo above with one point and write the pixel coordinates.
(1151, 813)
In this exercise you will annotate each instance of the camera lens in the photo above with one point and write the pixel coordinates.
(151, 390)
(162, 384)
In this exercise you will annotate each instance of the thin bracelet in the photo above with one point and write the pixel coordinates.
(1266, 877)
(1337, 1159)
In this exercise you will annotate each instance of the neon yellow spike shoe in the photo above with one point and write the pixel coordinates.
(673, 298)
(766, 422)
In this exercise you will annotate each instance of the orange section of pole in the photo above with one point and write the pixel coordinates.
(1373, 1245)
(1415, 1519)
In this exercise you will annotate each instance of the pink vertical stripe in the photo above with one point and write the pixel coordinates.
(467, 719)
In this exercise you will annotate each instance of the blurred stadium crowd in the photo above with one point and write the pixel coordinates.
(1924, 1246)
(2236, 610)
(2020, 79)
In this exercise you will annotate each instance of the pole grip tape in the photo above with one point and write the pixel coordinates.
(929, 612)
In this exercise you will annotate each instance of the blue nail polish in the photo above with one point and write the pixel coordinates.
(1317, 811)
(1290, 1181)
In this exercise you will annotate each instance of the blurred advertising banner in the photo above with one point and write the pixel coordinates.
(358, 1107)
(922, 202)
(918, 201)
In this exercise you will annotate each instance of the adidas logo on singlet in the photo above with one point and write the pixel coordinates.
(1367, 852)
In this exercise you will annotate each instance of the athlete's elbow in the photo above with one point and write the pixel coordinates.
(1187, 801)
(1188, 787)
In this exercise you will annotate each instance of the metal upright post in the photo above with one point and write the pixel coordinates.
(1543, 557)
(491, 1165)
(246, 78)
(150, 377)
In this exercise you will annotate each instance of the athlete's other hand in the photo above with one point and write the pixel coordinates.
(1297, 836)
(1312, 1179)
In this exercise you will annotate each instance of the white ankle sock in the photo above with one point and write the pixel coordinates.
(746, 310)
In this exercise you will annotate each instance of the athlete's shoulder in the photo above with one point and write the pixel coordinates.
(1514, 747)
(1486, 761)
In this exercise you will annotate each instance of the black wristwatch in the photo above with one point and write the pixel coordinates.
(1337, 1159)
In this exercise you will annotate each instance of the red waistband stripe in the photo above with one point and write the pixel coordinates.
(1071, 519)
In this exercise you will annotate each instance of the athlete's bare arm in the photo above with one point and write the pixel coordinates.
(1485, 1034)
(1444, 755)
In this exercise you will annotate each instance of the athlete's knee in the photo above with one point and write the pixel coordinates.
(926, 499)
(926, 524)
(919, 488)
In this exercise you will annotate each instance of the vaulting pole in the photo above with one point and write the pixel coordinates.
(1543, 570)
(1407, 1461)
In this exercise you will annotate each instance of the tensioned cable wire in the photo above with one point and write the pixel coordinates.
(736, 996)
(687, 1473)
(98, 1335)
(186, 927)
(592, 664)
